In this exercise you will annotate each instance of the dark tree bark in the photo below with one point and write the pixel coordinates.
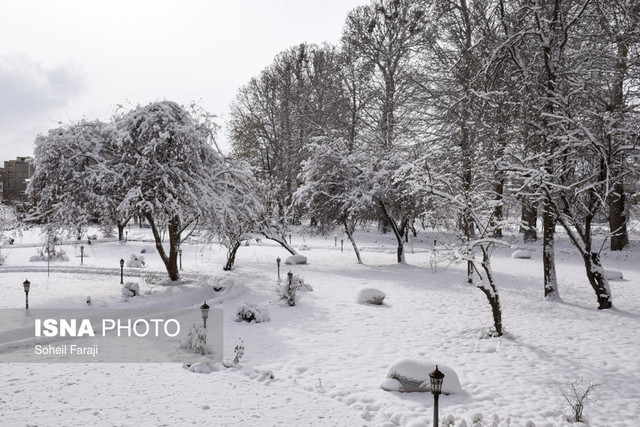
(529, 220)
(170, 261)
(349, 232)
(618, 218)
(231, 256)
(548, 252)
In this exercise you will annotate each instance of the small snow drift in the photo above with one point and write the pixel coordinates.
(613, 275)
(410, 375)
(521, 254)
(370, 296)
(249, 312)
(295, 260)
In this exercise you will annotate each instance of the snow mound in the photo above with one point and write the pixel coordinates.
(249, 312)
(521, 254)
(409, 375)
(370, 296)
(130, 289)
(205, 367)
(613, 275)
(295, 260)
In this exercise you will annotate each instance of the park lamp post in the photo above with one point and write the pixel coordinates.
(204, 308)
(436, 378)
(180, 255)
(121, 271)
(278, 264)
(26, 284)
(81, 254)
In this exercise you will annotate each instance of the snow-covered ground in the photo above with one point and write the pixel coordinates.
(322, 362)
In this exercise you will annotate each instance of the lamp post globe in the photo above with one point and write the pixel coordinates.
(436, 377)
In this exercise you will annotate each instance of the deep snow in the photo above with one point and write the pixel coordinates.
(328, 355)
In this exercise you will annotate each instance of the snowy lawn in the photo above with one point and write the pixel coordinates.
(329, 355)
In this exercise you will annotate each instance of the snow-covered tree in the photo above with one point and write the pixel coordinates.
(74, 180)
(173, 177)
(331, 193)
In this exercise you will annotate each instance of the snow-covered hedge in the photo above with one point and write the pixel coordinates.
(249, 312)
(130, 289)
(196, 340)
(295, 260)
(370, 296)
(408, 375)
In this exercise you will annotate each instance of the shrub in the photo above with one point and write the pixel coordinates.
(248, 312)
(196, 340)
(289, 292)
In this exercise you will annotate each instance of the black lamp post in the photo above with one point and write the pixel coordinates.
(180, 255)
(335, 240)
(27, 285)
(204, 308)
(121, 271)
(278, 263)
(341, 245)
(436, 378)
(81, 254)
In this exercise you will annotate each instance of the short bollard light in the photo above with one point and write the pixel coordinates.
(436, 378)
(278, 264)
(180, 254)
(335, 240)
(81, 254)
(121, 271)
(26, 284)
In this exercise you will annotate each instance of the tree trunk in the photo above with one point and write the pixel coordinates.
(231, 256)
(349, 233)
(618, 218)
(170, 261)
(498, 211)
(397, 231)
(529, 220)
(491, 292)
(282, 241)
(548, 253)
(598, 279)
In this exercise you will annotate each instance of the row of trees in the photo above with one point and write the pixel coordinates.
(455, 111)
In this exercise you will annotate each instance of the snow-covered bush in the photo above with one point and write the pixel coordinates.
(249, 312)
(576, 394)
(53, 254)
(304, 247)
(295, 260)
(478, 420)
(196, 340)
(370, 296)
(136, 261)
(239, 351)
(409, 375)
(290, 290)
(130, 289)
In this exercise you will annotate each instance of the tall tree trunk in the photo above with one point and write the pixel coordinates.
(488, 287)
(598, 279)
(398, 231)
(529, 220)
(349, 232)
(231, 256)
(618, 218)
(170, 261)
(548, 252)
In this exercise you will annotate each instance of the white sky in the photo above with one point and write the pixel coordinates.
(68, 59)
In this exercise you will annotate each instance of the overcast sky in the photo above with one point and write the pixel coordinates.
(62, 60)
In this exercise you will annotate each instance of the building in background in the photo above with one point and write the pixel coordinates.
(15, 178)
